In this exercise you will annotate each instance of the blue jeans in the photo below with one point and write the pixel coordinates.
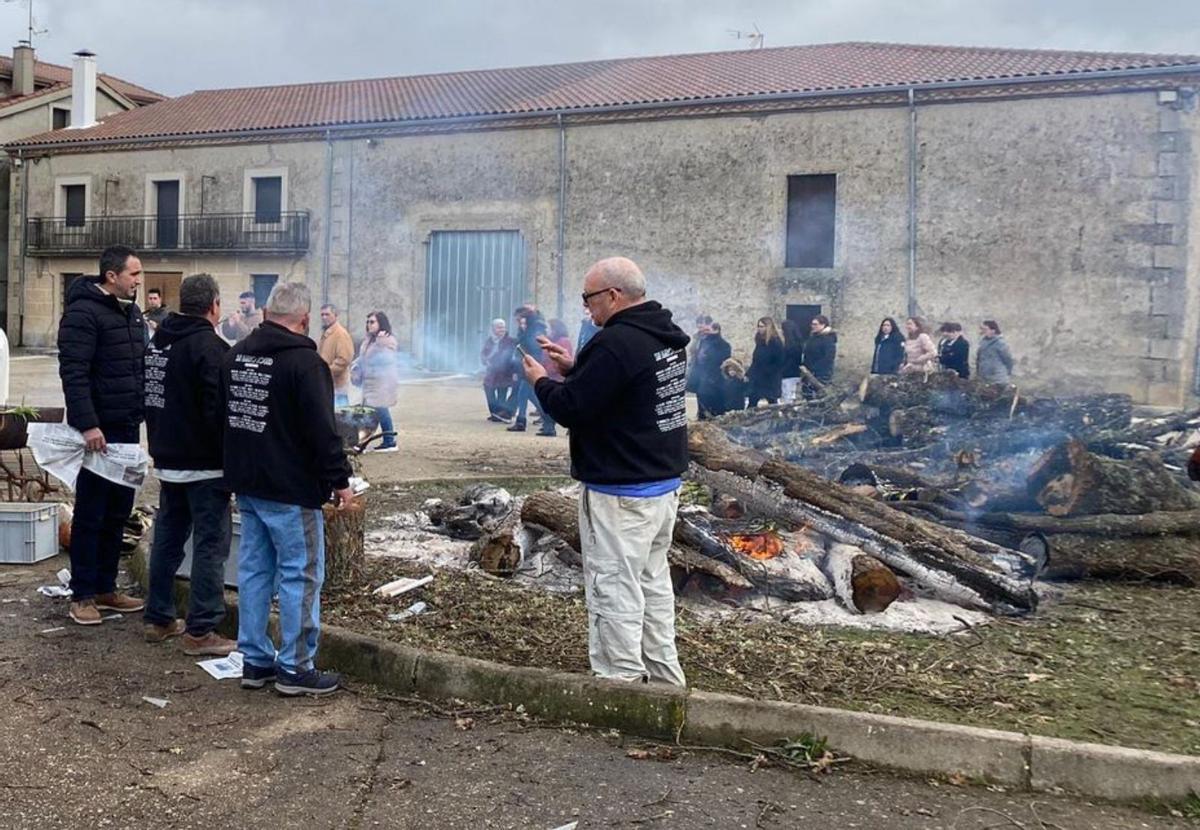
(200, 510)
(385, 426)
(289, 540)
(525, 394)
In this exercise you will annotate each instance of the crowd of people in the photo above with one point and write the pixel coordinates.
(787, 363)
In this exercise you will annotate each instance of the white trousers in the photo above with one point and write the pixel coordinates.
(627, 582)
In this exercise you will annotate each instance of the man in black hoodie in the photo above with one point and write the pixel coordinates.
(283, 458)
(184, 423)
(101, 339)
(622, 398)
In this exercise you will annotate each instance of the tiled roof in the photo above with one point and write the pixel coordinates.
(53, 89)
(52, 73)
(593, 85)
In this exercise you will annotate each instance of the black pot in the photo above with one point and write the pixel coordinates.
(14, 431)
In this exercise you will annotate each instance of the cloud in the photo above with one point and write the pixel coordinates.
(175, 46)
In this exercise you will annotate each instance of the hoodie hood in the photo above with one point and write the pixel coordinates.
(829, 332)
(653, 319)
(272, 338)
(178, 326)
(89, 290)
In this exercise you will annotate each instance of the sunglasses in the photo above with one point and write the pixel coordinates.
(588, 296)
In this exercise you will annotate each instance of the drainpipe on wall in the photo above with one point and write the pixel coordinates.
(22, 166)
(350, 229)
(328, 216)
(562, 213)
(912, 203)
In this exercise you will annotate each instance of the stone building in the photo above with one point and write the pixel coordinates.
(1052, 191)
(35, 97)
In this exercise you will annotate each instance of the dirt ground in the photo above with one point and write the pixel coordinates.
(81, 748)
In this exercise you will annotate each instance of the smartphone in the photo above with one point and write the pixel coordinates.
(521, 351)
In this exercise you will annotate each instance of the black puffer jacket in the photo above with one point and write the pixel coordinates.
(101, 342)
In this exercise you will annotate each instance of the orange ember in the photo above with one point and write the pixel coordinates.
(757, 545)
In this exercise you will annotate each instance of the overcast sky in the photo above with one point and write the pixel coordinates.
(175, 46)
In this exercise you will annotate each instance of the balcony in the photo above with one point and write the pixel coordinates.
(240, 233)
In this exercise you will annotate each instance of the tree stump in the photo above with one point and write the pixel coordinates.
(345, 552)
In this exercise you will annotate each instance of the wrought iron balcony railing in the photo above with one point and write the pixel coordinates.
(190, 233)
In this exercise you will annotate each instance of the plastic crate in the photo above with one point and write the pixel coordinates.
(231, 563)
(28, 532)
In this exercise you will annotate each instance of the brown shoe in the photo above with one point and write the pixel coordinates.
(122, 603)
(210, 644)
(160, 633)
(85, 612)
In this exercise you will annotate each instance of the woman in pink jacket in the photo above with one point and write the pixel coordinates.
(377, 373)
(920, 353)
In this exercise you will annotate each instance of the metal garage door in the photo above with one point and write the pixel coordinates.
(471, 278)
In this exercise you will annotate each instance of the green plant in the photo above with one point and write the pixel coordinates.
(25, 413)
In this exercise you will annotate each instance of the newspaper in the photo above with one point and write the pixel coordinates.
(224, 668)
(59, 450)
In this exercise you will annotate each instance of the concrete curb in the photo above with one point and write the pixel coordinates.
(1027, 762)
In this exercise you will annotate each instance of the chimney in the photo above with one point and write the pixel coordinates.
(22, 69)
(83, 89)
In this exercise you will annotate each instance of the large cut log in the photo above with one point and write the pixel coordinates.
(1178, 522)
(1174, 559)
(559, 514)
(1070, 481)
(946, 561)
(345, 554)
(498, 550)
(861, 582)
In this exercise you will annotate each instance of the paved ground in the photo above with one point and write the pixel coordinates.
(81, 748)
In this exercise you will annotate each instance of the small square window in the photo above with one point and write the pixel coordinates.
(62, 118)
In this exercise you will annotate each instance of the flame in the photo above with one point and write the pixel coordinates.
(760, 546)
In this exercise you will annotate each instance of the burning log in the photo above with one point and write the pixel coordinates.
(559, 514)
(947, 561)
(860, 582)
(763, 557)
(1070, 481)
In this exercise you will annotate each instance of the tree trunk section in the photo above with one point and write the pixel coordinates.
(345, 554)
(1173, 559)
(861, 582)
(1070, 481)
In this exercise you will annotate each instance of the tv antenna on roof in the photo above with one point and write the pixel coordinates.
(31, 29)
(756, 38)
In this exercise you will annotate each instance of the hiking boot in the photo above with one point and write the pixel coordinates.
(211, 644)
(122, 603)
(255, 677)
(311, 682)
(85, 612)
(155, 633)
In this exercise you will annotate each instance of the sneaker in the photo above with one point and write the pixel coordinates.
(311, 682)
(211, 644)
(495, 420)
(519, 426)
(85, 612)
(122, 603)
(155, 633)
(392, 448)
(255, 677)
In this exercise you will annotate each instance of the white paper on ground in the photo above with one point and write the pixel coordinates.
(59, 450)
(62, 589)
(403, 585)
(224, 668)
(159, 702)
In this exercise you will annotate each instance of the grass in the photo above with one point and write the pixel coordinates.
(1110, 663)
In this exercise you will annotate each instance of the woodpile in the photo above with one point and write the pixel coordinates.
(1075, 483)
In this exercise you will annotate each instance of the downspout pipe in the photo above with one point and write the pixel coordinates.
(912, 203)
(325, 259)
(561, 242)
(24, 173)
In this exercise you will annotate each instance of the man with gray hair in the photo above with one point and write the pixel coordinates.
(283, 459)
(184, 425)
(622, 398)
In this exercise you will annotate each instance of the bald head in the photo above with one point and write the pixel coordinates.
(611, 285)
